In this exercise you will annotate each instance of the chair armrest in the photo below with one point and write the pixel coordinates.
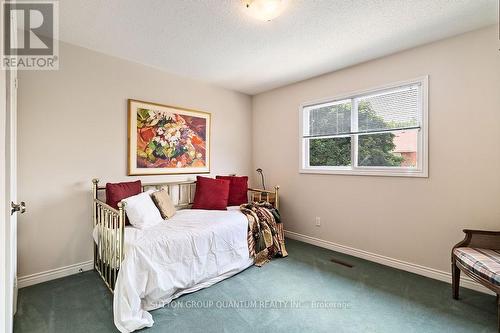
(482, 232)
(480, 239)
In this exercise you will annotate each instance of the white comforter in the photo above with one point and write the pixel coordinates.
(192, 250)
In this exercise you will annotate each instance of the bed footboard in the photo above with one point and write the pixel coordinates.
(272, 197)
(109, 231)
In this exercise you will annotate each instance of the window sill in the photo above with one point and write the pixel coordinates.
(367, 172)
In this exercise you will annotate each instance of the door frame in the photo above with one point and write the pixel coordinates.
(8, 227)
(6, 292)
(8, 256)
(8, 190)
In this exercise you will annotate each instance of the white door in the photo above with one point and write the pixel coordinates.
(8, 182)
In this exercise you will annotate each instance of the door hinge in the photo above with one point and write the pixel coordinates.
(15, 83)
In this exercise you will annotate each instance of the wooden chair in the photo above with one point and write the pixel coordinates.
(478, 256)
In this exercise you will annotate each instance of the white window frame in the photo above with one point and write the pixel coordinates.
(422, 169)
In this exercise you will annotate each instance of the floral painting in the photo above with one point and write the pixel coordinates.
(167, 140)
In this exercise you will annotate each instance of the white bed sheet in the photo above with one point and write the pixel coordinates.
(192, 250)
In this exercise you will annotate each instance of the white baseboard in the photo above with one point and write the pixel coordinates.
(28, 280)
(391, 262)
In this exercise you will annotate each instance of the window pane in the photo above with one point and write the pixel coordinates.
(388, 110)
(330, 152)
(330, 118)
(394, 149)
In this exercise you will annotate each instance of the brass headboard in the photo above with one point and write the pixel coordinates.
(181, 193)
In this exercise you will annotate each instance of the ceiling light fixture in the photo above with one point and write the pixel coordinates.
(265, 10)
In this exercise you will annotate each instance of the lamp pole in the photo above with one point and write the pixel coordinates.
(259, 170)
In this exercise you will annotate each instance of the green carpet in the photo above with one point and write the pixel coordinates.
(305, 292)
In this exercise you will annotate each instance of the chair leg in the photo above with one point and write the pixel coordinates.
(498, 310)
(455, 279)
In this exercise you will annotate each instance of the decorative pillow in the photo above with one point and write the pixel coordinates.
(141, 210)
(238, 188)
(119, 191)
(164, 203)
(211, 193)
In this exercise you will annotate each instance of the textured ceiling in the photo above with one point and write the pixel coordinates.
(216, 42)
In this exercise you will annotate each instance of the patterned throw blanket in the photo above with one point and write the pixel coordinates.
(266, 238)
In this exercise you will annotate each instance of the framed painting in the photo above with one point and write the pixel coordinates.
(165, 139)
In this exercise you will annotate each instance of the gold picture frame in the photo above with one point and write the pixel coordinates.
(166, 140)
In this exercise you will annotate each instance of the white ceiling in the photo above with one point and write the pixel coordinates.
(216, 42)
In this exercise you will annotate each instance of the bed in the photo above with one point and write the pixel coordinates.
(146, 269)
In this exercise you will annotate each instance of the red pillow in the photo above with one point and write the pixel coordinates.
(238, 188)
(119, 191)
(211, 193)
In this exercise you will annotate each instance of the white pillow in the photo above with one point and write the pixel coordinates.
(141, 210)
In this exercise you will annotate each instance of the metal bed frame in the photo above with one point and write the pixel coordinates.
(110, 222)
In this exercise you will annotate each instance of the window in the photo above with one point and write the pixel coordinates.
(377, 132)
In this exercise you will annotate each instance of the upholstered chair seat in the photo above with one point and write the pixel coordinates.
(483, 262)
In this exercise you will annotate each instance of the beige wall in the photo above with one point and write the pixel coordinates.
(415, 220)
(73, 127)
